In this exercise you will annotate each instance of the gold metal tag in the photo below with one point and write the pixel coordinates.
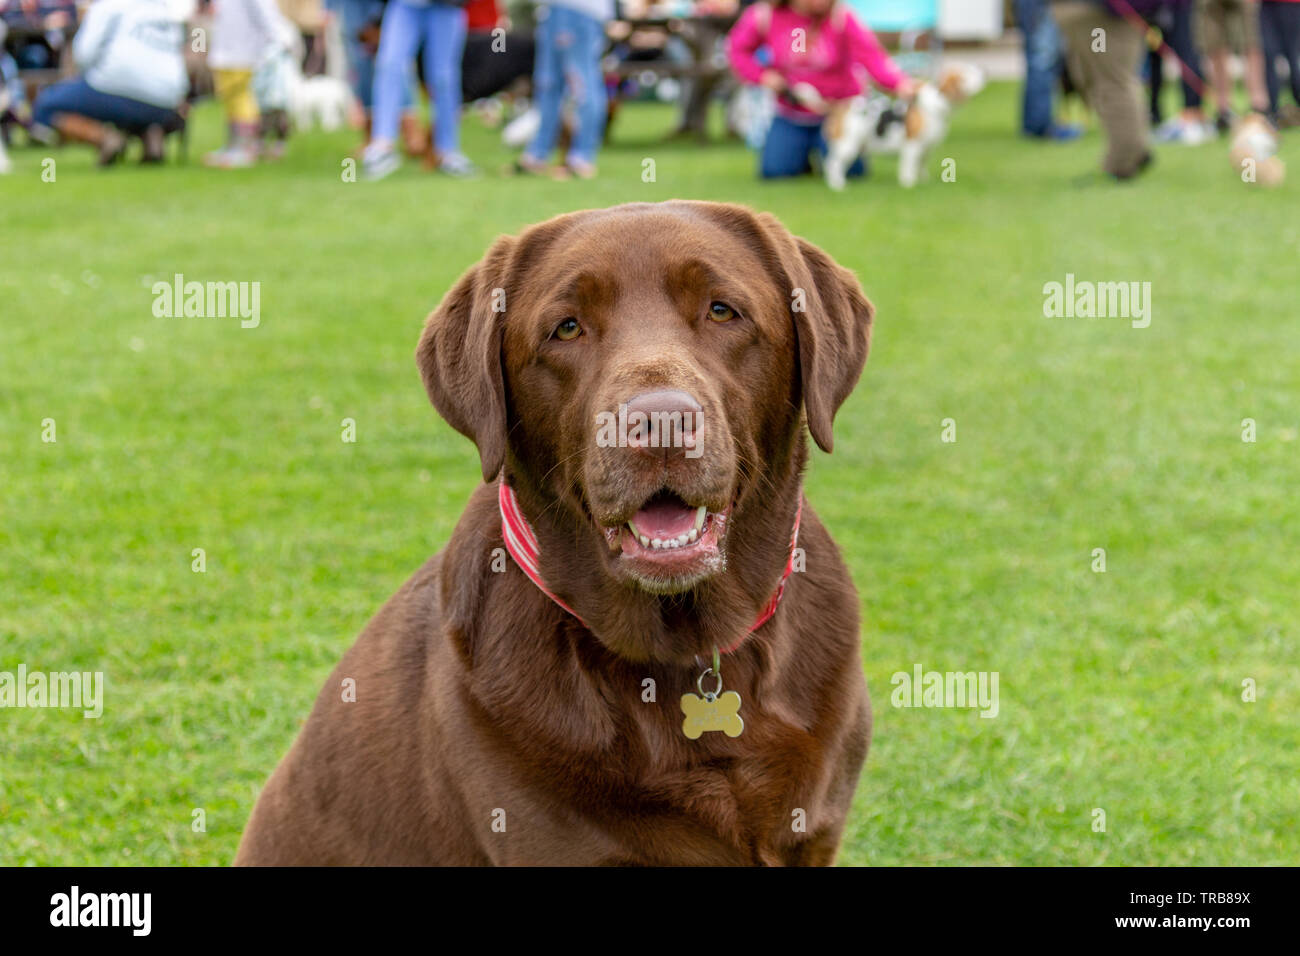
(712, 712)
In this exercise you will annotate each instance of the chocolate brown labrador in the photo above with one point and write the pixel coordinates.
(488, 717)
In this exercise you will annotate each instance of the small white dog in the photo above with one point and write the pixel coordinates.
(279, 84)
(321, 99)
(874, 125)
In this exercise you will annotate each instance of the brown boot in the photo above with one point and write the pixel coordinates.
(415, 138)
(83, 129)
(155, 144)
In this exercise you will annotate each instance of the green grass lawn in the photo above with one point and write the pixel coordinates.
(1120, 691)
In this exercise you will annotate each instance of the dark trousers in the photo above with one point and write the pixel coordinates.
(1279, 28)
(1044, 59)
(788, 150)
(1175, 24)
(78, 96)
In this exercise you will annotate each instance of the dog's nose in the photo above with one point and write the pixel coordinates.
(664, 422)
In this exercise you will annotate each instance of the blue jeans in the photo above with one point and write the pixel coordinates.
(569, 46)
(79, 97)
(442, 28)
(353, 15)
(1043, 62)
(788, 149)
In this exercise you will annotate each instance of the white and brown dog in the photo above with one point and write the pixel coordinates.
(875, 125)
(1253, 151)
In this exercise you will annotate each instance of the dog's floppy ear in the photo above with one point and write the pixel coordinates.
(832, 320)
(459, 356)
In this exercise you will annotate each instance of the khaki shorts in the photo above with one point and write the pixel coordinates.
(1231, 24)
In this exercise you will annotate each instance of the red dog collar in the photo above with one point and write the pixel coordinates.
(522, 545)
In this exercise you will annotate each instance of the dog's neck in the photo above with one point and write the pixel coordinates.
(560, 553)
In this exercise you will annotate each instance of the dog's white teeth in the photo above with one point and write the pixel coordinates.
(700, 514)
(668, 544)
(664, 544)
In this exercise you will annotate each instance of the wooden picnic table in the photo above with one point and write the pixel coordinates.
(706, 69)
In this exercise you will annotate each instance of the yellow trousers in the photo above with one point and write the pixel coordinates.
(235, 91)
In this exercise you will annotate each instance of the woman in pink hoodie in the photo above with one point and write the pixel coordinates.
(818, 42)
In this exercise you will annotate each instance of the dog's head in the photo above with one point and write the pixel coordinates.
(958, 82)
(643, 374)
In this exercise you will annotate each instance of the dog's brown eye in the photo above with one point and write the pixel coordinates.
(567, 330)
(721, 312)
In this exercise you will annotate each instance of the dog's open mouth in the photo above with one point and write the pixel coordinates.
(670, 544)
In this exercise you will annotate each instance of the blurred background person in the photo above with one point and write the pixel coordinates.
(359, 26)
(132, 79)
(570, 40)
(245, 33)
(359, 23)
(483, 61)
(1044, 63)
(1226, 27)
(1190, 126)
(44, 26)
(1279, 29)
(1108, 76)
(308, 17)
(13, 94)
(441, 28)
(835, 48)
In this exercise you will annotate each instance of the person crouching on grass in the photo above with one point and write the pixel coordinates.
(133, 79)
(818, 42)
(245, 33)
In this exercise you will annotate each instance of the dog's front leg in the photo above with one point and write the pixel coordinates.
(838, 160)
(842, 145)
(911, 158)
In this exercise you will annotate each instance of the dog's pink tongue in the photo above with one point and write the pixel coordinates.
(665, 519)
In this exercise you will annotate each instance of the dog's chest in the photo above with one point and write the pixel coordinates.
(754, 799)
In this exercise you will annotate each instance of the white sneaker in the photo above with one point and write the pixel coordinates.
(1195, 133)
(458, 165)
(1184, 131)
(232, 157)
(519, 132)
(379, 160)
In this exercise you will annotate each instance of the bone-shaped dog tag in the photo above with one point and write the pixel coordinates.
(712, 712)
